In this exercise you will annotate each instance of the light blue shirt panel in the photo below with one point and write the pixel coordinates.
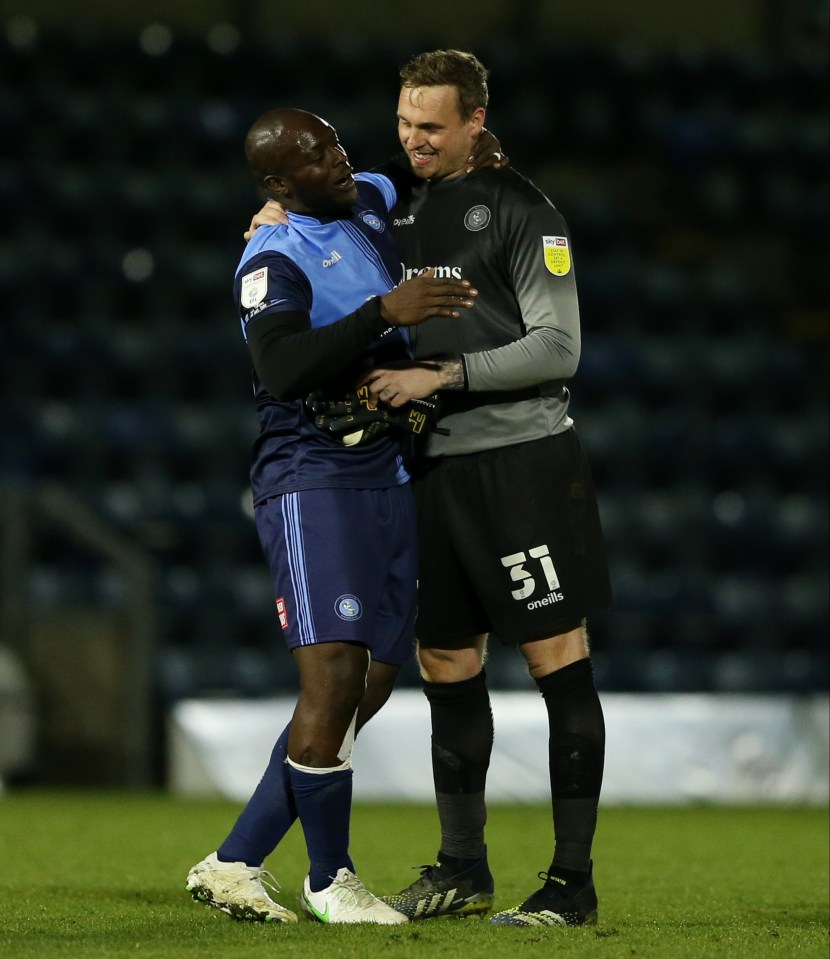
(342, 263)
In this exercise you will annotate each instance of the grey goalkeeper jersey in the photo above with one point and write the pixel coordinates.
(521, 340)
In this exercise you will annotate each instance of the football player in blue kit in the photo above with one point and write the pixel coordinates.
(321, 302)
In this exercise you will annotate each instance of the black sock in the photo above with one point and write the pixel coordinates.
(462, 740)
(577, 755)
(568, 876)
(456, 864)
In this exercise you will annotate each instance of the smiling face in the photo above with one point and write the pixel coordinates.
(308, 170)
(437, 139)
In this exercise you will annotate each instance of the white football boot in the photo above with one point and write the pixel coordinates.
(347, 900)
(237, 889)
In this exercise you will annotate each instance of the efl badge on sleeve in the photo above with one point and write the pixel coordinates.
(557, 255)
(254, 288)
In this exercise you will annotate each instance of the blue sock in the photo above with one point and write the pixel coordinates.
(268, 815)
(324, 805)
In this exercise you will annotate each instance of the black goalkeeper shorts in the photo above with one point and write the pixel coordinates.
(510, 542)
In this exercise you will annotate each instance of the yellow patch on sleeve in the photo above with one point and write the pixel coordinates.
(557, 255)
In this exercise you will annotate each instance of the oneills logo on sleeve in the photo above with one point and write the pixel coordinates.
(557, 254)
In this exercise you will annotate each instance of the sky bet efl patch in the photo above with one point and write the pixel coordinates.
(557, 255)
(254, 288)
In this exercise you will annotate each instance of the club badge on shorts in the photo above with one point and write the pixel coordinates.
(348, 607)
(557, 255)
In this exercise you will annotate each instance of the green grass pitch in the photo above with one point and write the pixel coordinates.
(88, 875)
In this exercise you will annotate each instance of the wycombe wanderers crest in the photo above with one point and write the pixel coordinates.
(557, 254)
(477, 218)
(348, 607)
(372, 220)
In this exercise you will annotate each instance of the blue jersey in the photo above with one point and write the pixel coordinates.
(325, 269)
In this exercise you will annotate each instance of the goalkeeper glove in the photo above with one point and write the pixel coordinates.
(357, 418)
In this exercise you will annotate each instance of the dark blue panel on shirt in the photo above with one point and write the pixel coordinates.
(326, 269)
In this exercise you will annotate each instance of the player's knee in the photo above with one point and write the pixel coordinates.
(321, 737)
(544, 656)
(449, 665)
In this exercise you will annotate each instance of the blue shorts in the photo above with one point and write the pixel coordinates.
(344, 567)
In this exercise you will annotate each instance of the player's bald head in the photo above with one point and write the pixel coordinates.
(297, 159)
(275, 138)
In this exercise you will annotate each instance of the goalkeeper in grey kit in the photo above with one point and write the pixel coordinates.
(510, 542)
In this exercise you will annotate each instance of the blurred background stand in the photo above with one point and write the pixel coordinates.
(17, 716)
(77, 689)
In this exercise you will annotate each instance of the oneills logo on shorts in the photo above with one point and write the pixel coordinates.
(557, 254)
(254, 288)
